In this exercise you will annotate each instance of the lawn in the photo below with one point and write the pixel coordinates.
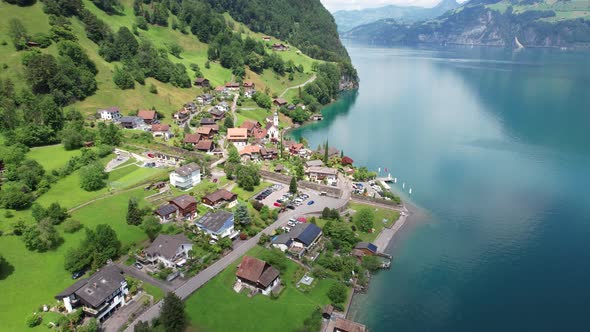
(43, 273)
(216, 307)
(131, 175)
(154, 291)
(259, 115)
(246, 195)
(52, 157)
(380, 216)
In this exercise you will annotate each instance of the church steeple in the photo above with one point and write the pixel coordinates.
(275, 119)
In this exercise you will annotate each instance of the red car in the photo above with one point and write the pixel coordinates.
(277, 204)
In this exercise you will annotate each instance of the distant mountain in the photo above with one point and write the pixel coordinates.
(349, 19)
(531, 23)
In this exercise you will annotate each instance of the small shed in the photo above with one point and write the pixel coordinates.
(327, 311)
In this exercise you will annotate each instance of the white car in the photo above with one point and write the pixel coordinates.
(286, 229)
(291, 224)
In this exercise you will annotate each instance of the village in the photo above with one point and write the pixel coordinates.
(241, 196)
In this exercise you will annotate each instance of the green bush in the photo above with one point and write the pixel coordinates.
(34, 320)
(72, 226)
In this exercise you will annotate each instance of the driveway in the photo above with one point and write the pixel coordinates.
(134, 272)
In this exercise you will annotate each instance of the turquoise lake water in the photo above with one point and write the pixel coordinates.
(496, 146)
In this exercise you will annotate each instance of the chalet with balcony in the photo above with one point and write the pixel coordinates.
(220, 197)
(99, 295)
(257, 275)
(202, 82)
(186, 207)
(218, 225)
(169, 250)
(148, 116)
(111, 114)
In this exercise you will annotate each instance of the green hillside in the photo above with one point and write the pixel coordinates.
(169, 98)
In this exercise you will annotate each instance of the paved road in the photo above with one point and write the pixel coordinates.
(132, 271)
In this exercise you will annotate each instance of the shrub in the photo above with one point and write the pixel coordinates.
(153, 89)
(34, 320)
(72, 226)
(337, 294)
(243, 236)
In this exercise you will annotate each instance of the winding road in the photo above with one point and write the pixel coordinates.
(299, 86)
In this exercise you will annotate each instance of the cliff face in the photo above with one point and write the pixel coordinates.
(484, 24)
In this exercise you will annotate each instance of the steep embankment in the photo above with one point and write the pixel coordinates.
(536, 23)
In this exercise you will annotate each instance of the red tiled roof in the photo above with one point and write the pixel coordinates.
(204, 145)
(160, 127)
(147, 115)
(250, 149)
(204, 130)
(192, 138)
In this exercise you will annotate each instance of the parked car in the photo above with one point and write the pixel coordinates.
(286, 229)
(291, 224)
(77, 274)
(310, 203)
(277, 204)
(292, 220)
(290, 206)
(138, 265)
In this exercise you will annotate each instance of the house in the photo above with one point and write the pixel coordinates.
(182, 116)
(280, 102)
(131, 122)
(205, 99)
(280, 47)
(367, 248)
(257, 275)
(279, 168)
(186, 206)
(232, 86)
(205, 132)
(266, 38)
(207, 122)
(330, 175)
(314, 163)
(317, 117)
(220, 197)
(217, 113)
(272, 128)
(238, 136)
(99, 295)
(205, 145)
(301, 238)
(250, 152)
(249, 85)
(170, 250)
(305, 235)
(345, 325)
(161, 130)
(191, 139)
(221, 89)
(223, 106)
(250, 126)
(202, 82)
(295, 148)
(282, 242)
(218, 224)
(259, 134)
(191, 107)
(291, 107)
(268, 153)
(111, 113)
(186, 177)
(166, 213)
(147, 116)
(214, 128)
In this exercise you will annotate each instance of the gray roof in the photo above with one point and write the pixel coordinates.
(214, 221)
(314, 163)
(282, 239)
(166, 210)
(96, 289)
(366, 245)
(167, 245)
(187, 170)
(112, 109)
(131, 119)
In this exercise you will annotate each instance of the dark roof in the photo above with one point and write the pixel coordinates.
(126, 119)
(167, 245)
(257, 271)
(205, 121)
(214, 221)
(314, 163)
(366, 245)
(201, 80)
(166, 210)
(282, 239)
(96, 289)
(280, 101)
(221, 194)
(305, 233)
(112, 109)
(183, 201)
(187, 169)
(216, 112)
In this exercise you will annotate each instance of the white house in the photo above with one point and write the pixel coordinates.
(161, 130)
(111, 113)
(170, 250)
(238, 136)
(98, 295)
(218, 224)
(322, 173)
(186, 177)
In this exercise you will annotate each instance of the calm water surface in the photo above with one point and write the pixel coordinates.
(496, 146)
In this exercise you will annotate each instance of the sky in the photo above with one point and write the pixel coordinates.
(335, 5)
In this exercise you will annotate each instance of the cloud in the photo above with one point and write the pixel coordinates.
(334, 5)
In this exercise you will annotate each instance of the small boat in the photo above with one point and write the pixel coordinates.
(410, 192)
(404, 185)
(394, 180)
